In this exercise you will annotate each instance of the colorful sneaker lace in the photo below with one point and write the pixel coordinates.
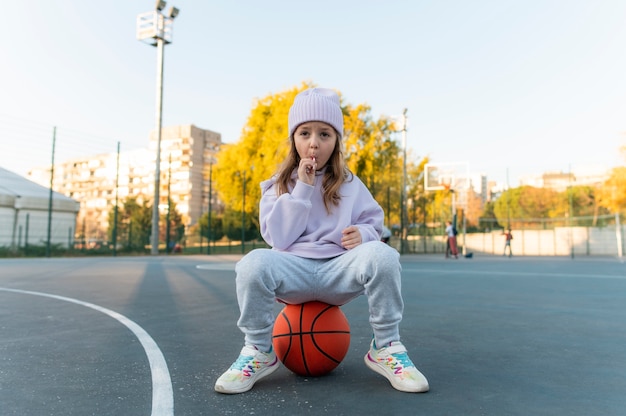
(251, 366)
(393, 362)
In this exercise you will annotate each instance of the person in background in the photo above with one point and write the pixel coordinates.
(508, 236)
(451, 247)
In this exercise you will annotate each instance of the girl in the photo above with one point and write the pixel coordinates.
(324, 229)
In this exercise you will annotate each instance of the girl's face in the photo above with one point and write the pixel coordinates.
(315, 139)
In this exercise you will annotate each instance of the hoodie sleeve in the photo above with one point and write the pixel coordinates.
(286, 216)
(370, 217)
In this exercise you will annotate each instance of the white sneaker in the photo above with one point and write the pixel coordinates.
(393, 362)
(251, 366)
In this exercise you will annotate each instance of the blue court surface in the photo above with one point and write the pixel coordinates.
(150, 335)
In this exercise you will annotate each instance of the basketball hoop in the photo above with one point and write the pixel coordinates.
(451, 177)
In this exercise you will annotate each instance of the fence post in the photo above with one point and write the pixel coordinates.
(618, 235)
(539, 251)
(26, 233)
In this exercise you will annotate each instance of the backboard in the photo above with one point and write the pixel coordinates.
(446, 176)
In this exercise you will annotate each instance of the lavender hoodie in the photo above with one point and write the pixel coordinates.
(297, 222)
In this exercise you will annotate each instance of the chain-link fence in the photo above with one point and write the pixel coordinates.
(579, 236)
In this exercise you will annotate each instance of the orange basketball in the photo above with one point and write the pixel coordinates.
(311, 338)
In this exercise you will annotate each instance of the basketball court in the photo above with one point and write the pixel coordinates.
(150, 335)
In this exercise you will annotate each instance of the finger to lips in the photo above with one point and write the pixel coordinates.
(310, 168)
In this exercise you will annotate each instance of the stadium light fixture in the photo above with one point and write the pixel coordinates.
(155, 28)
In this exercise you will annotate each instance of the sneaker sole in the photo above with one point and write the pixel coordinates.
(248, 386)
(374, 366)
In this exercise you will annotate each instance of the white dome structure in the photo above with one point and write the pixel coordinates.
(24, 215)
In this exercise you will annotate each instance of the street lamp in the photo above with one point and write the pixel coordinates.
(155, 28)
(208, 234)
(403, 215)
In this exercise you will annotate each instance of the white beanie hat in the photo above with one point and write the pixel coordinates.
(316, 104)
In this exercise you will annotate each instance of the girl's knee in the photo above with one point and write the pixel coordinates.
(252, 259)
(380, 250)
(381, 256)
(252, 264)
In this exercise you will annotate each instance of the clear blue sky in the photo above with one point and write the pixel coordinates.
(520, 86)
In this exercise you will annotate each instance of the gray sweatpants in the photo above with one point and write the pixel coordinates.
(264, 276)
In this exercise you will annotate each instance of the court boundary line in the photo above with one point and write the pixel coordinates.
(162, 392)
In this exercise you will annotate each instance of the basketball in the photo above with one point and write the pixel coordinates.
(311, 338)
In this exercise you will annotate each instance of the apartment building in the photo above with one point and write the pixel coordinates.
(186, 155)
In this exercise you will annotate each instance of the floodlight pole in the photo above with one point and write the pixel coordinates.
(154, 238)
(157, 29)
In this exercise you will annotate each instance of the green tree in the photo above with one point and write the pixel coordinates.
(527, 202)
(134, 221)
(176, 228)
(216, 231)
(232, 226)
(488, 219)
(582, 201)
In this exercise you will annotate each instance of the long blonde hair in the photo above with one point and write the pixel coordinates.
(335, 174)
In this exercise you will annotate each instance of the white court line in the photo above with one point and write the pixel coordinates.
(216, 266)
(162, 395)
(509, 273)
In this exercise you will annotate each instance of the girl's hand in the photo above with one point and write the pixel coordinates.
(351, 237)
(306, 170)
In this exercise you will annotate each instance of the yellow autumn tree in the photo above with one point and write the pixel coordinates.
(612, 195)
(374, 155)
(258, 153)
